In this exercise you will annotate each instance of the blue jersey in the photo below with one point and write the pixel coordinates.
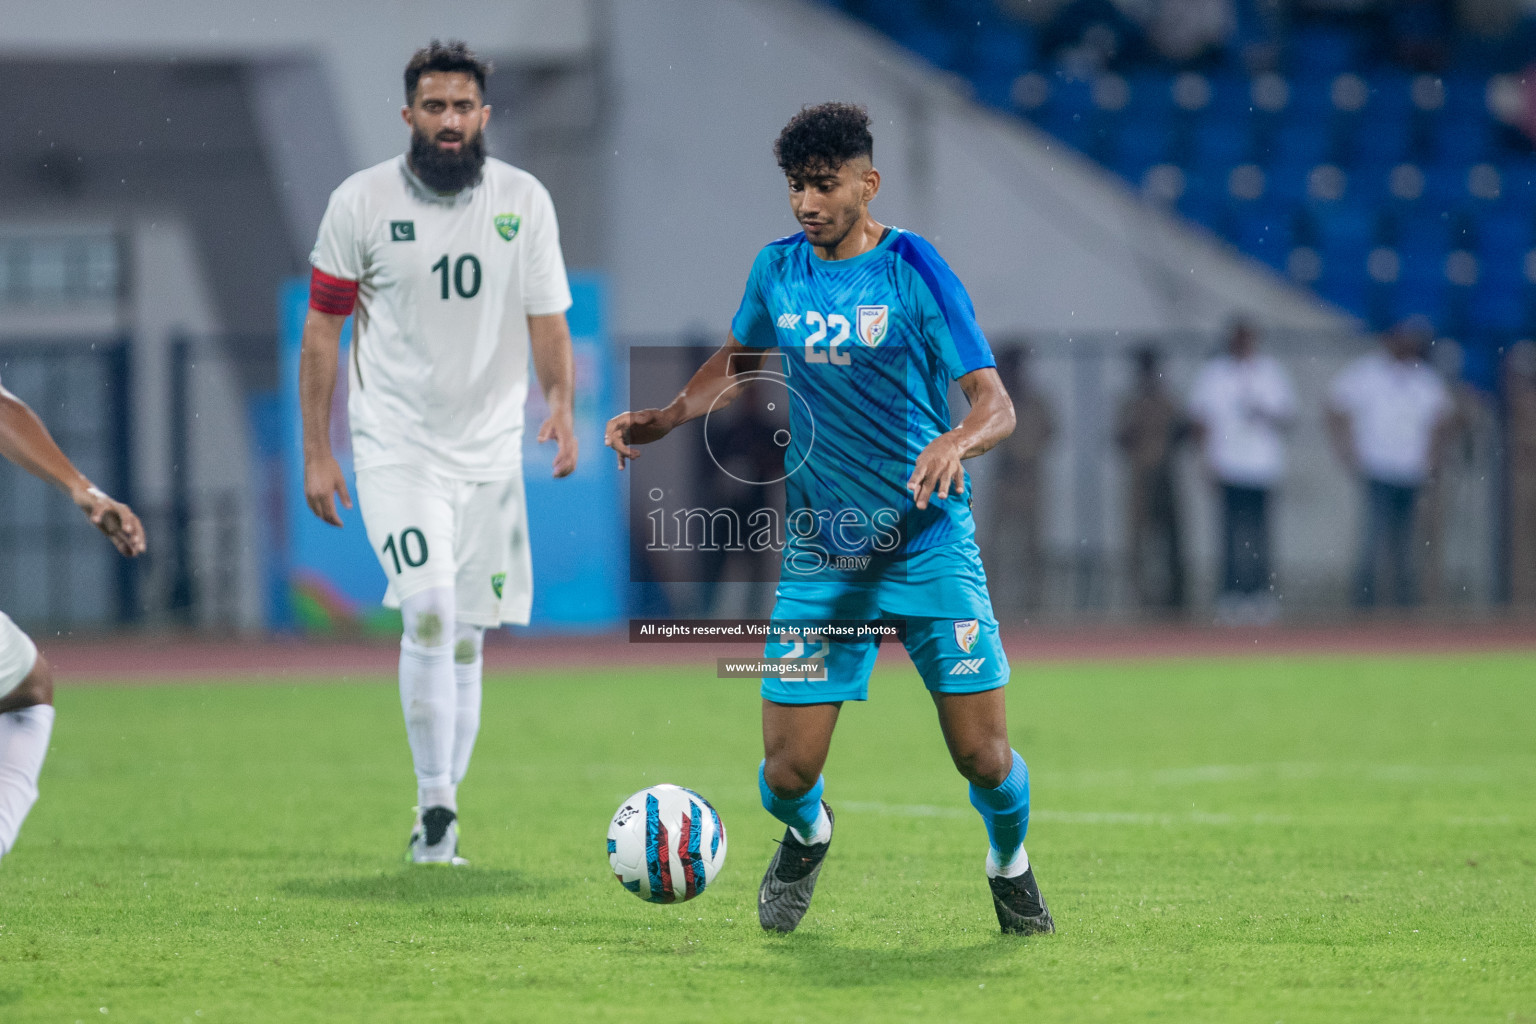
(870, 346)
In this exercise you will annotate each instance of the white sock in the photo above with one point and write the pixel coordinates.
(1015, 867)
(23, 745)
(427, 697)
(467, 676)
(820, 832)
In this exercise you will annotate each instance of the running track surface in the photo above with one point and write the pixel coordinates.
(149, 659)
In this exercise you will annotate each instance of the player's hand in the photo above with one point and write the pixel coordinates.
(629, 429)
(938, 471)
(323, 483)
(560, 429)
(114, 519)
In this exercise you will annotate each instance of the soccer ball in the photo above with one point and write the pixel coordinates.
(666, 844)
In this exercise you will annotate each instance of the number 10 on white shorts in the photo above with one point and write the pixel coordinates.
(429, 530)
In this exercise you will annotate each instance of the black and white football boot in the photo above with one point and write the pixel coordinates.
(785, 894)
(435, 838)
(1021, 910)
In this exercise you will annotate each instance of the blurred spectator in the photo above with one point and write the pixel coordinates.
(1240, 407)
(1520, 444)
(1386, 415)
(1192, 33)
(1148, 430)
(1512, 101)
(1087, 36)
(1459, 478)
(1018, 468)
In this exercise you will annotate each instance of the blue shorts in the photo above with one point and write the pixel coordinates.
(941, 595)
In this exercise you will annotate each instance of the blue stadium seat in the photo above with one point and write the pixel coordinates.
(1345, 281)
(1504, 238)
(1380, 141)
(1151, 96)
(1370, 181)
(1204, 200)
(1223, 141)
(1317, 51)
(1264, 231)
(1422, 232)
(1466, 96)
(1231, 95)
(1139, 144)
(1287, 184)
(897, 18)
(997, 57)
(1297, 143)
(1445, 185)
(1070, 113)
(1347, 226)
(1311, 99)
(1463, 140)
(1425, 298)
(1502, 306)
(1520, 183)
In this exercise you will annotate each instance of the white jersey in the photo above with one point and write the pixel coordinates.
(439, 370)
(1244, 405)
(1394, 407)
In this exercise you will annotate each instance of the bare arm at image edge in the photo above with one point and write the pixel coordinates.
(25, 441)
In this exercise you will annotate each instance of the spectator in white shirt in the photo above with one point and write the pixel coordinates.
(1387, 414)
(1242, 403)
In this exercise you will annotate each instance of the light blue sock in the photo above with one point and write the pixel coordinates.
(801, 813)
(1005, 810)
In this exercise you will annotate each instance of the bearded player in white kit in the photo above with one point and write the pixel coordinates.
(26, 682)
(451, 263)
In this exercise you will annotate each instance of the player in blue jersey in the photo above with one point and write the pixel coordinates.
(872, 326)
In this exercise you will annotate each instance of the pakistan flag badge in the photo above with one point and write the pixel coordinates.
(507, 225)
(499, 580)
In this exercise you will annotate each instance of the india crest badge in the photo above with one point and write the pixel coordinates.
(966, 632)
(873, 324)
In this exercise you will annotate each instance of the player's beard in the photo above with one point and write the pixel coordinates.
(447, 172)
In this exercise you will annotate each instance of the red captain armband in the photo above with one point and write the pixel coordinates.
(331, 295)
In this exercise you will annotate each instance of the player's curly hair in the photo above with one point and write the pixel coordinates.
(823, 137)
(454, 55)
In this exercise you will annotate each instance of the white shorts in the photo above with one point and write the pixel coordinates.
(17, 655)
(431, 531)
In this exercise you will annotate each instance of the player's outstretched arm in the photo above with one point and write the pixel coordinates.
(323, 478)
(703, 392)
(25, 441)
(550, 339)
(938, 471)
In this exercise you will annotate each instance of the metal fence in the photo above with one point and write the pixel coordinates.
(54, 567)
(56, 572)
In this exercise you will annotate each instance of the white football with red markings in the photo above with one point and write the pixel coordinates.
(666, 844)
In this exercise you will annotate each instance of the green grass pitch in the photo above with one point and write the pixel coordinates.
(1306, 839)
